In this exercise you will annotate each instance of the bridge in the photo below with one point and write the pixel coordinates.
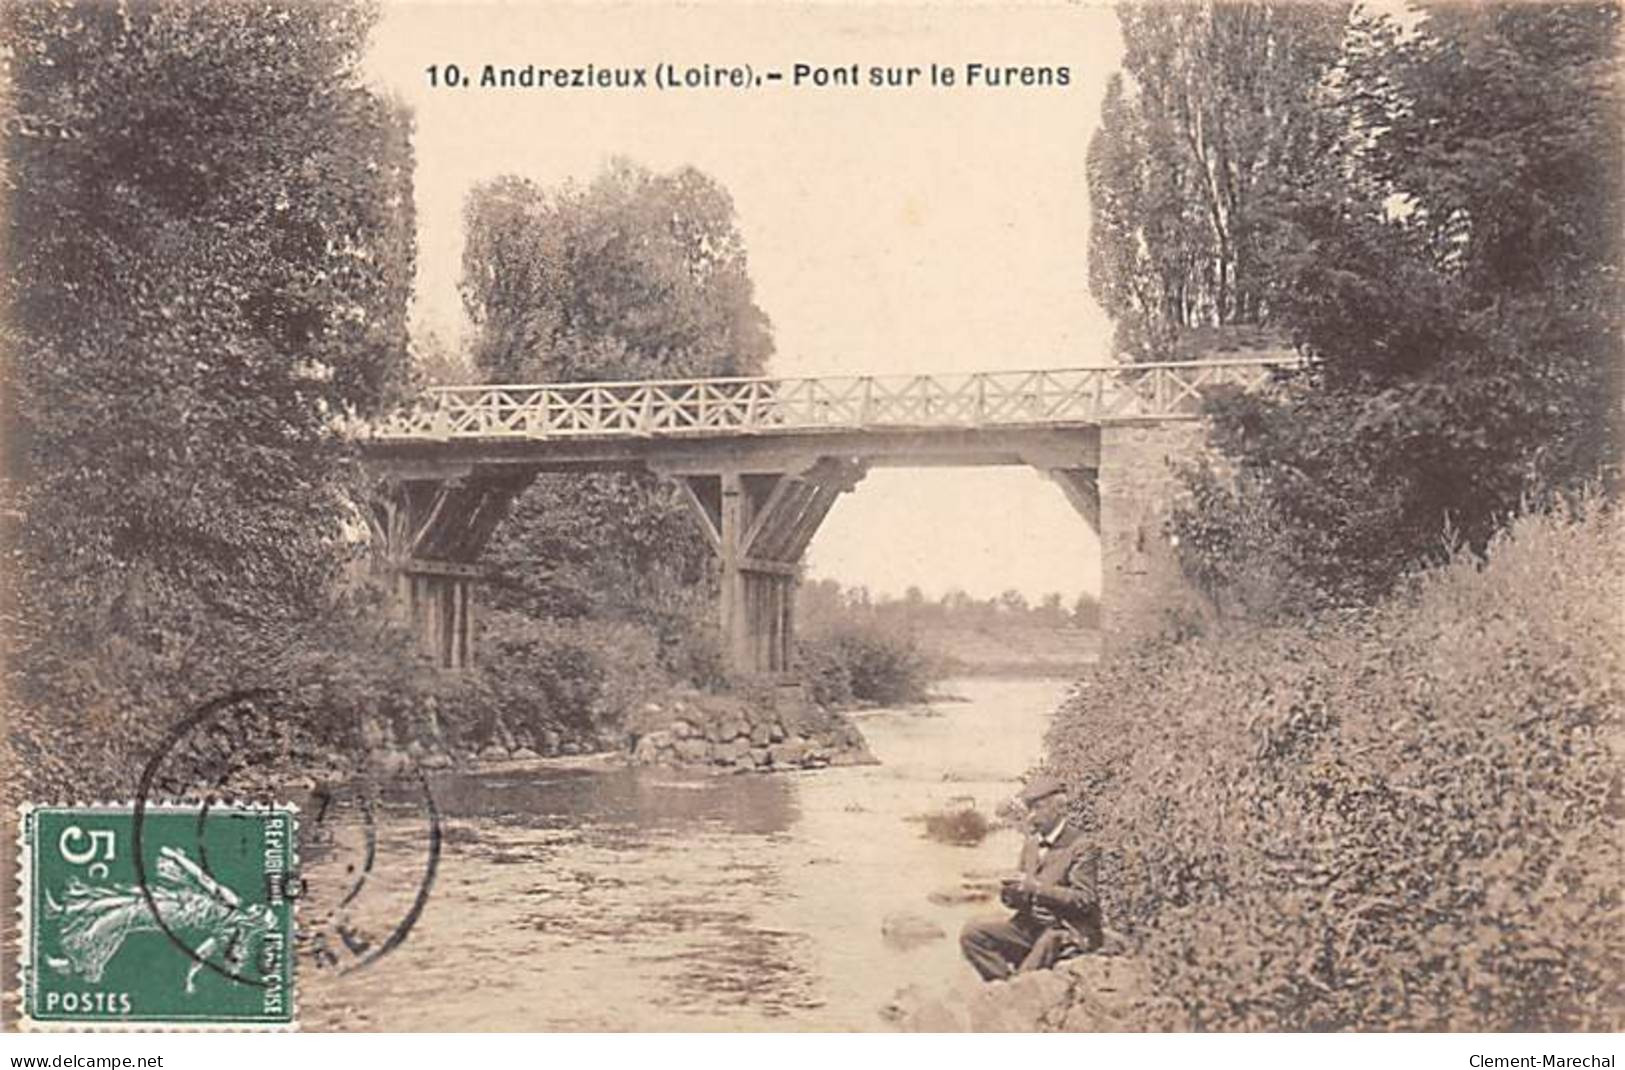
(760, 462)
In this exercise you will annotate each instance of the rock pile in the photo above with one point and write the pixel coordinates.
(765, 732)
(432, 748)
(1089, 994)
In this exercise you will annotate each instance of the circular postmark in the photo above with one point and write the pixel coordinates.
(377, 838)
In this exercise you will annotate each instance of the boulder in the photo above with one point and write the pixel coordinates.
(1028, 1003)
(392, 762)
(1092, 993)
(775, 732)
(1112, 994)
(790, 752)
(681, 729)
(550, 742)
(915, 1010)
(729, 753)
(647, 752)
(570, 747)
(761, 757)
(493, 752)
(762, 735)
(525, 754)
(692, 750)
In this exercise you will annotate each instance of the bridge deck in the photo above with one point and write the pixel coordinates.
(728, 408)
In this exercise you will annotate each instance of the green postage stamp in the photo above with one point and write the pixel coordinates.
(184, 922)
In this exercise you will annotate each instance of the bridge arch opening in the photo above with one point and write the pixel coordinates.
(979, 530)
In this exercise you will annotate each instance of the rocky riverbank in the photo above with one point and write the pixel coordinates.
(761, 730)
(770, 730)
(1090, 994)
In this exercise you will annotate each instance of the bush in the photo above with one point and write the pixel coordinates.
(863, 663)
(694, 654)
(1401, 818)
(85, 723)
(1230, 545)
(577, 676)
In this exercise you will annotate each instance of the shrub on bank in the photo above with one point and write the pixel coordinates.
(850, 663)
(1405, 818)
(86, 725)
(344, 678)
(578, 676)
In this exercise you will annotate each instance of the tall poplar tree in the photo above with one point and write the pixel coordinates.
(1216, 102)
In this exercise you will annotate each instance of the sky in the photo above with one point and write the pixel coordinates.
(913, 229)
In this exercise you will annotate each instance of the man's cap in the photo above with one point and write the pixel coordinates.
(1042, 787)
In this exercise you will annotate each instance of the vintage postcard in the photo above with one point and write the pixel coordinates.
(606, 517)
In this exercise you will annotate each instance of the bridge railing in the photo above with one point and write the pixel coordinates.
(701, 407)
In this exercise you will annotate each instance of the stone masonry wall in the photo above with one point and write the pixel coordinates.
(771, 731)
(1143, 593)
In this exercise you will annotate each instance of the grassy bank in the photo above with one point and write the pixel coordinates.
(1407, 818)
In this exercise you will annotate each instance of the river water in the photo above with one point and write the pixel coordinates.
(616, 899)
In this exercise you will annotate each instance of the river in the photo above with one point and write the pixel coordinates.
(616, 899)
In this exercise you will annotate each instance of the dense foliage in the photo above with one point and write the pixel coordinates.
(1392, 800)
(208, 230)
(1453, 270)
(1403, 818)
(575, 680)
(636, 276)
(856, 662)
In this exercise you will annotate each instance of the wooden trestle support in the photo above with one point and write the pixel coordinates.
(429, 527)
(426, 535)
(760, 524)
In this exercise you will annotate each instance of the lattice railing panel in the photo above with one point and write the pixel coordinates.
(709, 407)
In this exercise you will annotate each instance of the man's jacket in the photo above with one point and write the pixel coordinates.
(1065, 872)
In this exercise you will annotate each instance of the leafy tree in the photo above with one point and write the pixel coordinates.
(210, 245)
(1013, 602)
(1051, 612)
(436, 362)
(636, 276)
(1086, 611)
(1455, 271)
(1216, 103)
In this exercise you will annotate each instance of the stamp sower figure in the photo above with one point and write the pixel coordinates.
(1057, 910)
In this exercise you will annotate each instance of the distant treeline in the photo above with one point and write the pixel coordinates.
(822, 604)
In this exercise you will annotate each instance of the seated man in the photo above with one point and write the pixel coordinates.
(1057, 912)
